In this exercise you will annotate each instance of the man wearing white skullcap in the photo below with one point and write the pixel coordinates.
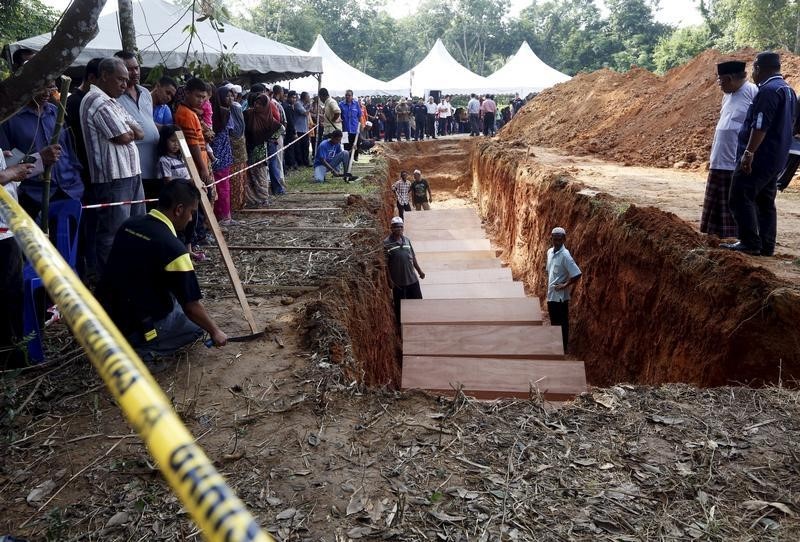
(562, 274)
(401, 264)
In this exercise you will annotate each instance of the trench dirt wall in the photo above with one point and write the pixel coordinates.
(655, 303)
(353, 322)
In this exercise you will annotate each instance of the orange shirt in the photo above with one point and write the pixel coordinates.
(189, 123)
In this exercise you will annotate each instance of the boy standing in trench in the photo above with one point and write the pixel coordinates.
(562, 274)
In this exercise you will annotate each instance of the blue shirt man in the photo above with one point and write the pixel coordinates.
(30, 130)
(764, 142)
(330, 155)
(351, 113)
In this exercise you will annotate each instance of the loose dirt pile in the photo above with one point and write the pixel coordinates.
(635, 117)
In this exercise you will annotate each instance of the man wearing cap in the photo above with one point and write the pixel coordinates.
(421, 194)
(401, 263)
(764, 142)
(738, 94)
(562, 274)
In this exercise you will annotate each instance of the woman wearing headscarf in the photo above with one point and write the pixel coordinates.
(259, 125)
(239, 179)
(223, 124)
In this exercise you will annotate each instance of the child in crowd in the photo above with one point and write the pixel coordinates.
(171, 167)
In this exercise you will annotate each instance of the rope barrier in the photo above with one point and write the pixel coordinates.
(212, 504)
(218, 181)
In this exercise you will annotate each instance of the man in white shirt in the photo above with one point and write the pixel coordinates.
(562, 274)
(11, 273)
(431, 109)
(474, 112)
(442, 110)
(738, 92)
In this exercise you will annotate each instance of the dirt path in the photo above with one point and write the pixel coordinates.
(679, 192)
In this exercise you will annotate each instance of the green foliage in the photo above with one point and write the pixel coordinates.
(681, 46)
(24, 18)
(762, 24)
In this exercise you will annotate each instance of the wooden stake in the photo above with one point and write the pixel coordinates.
(233, 274)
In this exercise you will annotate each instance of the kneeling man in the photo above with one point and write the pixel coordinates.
(330, 155)
(150, 289)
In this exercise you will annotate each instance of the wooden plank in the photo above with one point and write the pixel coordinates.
(433, 265)
(475, 290)
(211, 220)
(443, 223)
(455, 256)
(492, 378)
(467, 276)
(457, 245)
(299, 210)
(495, 341)
(424, 234)
(507, 311)
(254, 248)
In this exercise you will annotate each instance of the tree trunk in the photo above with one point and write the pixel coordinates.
(78, 27)
(127, 29)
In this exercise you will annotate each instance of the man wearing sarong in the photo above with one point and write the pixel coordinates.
(738, 94)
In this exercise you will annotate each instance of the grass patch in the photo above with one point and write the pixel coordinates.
(302, 182)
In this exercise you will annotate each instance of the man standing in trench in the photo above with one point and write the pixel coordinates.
(562, 274)
(716, 217)
(764, 142)
(401, 262)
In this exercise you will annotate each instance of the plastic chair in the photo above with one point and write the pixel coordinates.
(64, 219)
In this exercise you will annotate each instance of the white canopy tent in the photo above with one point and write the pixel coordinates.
(339, 76)
(162, 39)
(524, 73)
(439, 71)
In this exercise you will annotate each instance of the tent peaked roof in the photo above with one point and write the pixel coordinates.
(162, 37)
(339, 76)
(439, 71)
(524, 73)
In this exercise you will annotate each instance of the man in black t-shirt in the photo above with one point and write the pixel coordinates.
(150, 289)
(421, 195)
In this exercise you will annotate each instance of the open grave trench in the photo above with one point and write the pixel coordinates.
(658, 302)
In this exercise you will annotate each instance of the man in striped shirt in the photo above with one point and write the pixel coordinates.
(109, 132)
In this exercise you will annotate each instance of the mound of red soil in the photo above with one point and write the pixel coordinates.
(635, 117)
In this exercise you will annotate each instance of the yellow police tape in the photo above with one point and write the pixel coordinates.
(202, 490)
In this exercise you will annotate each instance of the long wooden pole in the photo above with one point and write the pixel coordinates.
(233, 274)
(48, 173)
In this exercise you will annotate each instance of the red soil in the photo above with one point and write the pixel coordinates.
(635, 117)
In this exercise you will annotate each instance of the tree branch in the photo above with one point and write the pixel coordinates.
(78, 27)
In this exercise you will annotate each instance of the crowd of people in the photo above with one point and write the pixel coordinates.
(121, 154)
(394, 120)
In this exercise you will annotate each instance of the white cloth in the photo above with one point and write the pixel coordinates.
(431, 108)
(731, 117)
(443, 110)
(560, 268)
